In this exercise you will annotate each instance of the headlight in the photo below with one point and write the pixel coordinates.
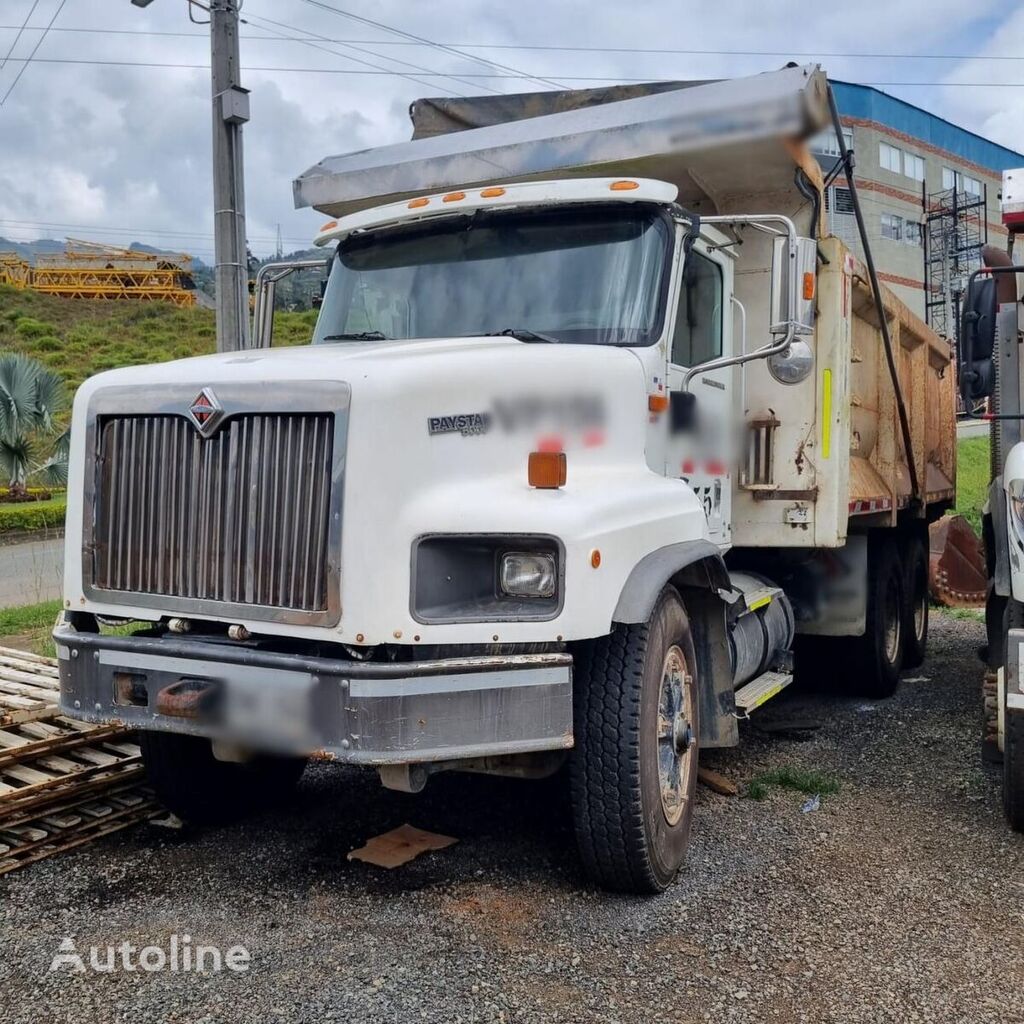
(523, 574)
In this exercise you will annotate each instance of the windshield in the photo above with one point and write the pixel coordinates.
(588, 275)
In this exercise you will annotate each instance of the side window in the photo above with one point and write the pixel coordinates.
(698, 331)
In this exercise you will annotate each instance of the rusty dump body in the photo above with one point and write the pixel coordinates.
(878, 465)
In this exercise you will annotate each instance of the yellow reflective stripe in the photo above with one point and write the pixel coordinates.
(760, 603)
(826, 413)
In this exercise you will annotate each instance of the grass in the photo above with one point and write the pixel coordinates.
(972, 477)
(31, 625)
(79, 337)
(803, 780)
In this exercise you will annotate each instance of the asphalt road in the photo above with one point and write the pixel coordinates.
(901, 899)
(31, 571)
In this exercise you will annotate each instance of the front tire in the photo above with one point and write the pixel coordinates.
(633, 771)
(198, 788)
(1013, 733)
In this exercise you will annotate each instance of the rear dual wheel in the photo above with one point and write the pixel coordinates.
(633, 771)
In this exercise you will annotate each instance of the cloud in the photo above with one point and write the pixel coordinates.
(125, 151)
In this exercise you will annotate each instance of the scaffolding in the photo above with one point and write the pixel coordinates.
(91, 270)
(956, 229)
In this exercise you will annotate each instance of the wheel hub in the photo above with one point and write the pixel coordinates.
(676, 746)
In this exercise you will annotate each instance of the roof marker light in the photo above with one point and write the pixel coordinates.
(453, 197)
(491, 193)
(329, 226)
(624, 186)
(415, 204)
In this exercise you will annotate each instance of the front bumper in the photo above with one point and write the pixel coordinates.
(362, 712)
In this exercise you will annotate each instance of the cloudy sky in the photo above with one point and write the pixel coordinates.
(91, 146)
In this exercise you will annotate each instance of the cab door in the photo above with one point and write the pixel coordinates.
(703, 455)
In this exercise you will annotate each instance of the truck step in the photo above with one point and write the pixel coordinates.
(760, 690)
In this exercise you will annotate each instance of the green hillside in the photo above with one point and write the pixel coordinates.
(80, 337)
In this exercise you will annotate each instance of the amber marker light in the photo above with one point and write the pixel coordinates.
(546, 470)
(595, 559)
(657, 403)
(492, 193)
(329, 226)
(808, 285)
(416, 204)
(453, 197)
(624, 186)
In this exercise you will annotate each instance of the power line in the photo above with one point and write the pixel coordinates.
(39, 42)
(21, 30)
(551, 47)
(316, 46)
(428, 42)
(26, 225)
(440, 74)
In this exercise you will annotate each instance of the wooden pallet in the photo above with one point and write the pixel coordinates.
(62, 782)
(67, 825)
(29, 687)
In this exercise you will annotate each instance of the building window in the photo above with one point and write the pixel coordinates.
(912, 232)
(970, 185)
(889, 157)
(827, 144)
(961, 182)
(948, 177)
(892, 226)
(698, 331)
(913, 166)
(838, 200)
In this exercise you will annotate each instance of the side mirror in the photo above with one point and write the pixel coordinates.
(977, 341)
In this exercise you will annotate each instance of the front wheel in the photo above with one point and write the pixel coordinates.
(633, 771)
(1013, 734)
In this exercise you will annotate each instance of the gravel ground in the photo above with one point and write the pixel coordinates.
(901, 899)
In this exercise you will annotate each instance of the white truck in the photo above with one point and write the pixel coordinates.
(595, 431)
(991, 367)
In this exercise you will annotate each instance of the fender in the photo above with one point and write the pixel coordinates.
(999, 571)
(696, 568)
(701, 558)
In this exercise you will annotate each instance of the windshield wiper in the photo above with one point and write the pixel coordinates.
(357, 336)
(521, 334)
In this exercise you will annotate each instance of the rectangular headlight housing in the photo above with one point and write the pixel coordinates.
(528, 574)
(487, 578)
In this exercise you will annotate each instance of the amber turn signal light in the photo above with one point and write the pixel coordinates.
(547, 470)
(808, 285)
(657, 403)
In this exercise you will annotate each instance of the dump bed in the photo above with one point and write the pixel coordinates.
(815, 459)
(827, 456)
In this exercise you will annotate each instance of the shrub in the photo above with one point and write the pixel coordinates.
(29, 327)
(34, 515)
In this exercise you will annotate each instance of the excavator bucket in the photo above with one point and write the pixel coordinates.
(957, 575)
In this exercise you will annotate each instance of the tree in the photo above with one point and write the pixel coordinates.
(32, 445)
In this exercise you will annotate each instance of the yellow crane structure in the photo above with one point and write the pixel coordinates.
(92, 270)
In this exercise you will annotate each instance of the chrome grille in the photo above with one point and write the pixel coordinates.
(241, 517)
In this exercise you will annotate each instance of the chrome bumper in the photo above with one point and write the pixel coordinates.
(373, 713)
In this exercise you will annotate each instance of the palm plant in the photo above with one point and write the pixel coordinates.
(31, 443)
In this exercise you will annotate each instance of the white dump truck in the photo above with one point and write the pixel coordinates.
(596, 430)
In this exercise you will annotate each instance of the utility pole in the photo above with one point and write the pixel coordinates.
(230, 112)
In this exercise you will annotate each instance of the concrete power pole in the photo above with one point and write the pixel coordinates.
(230, 112)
